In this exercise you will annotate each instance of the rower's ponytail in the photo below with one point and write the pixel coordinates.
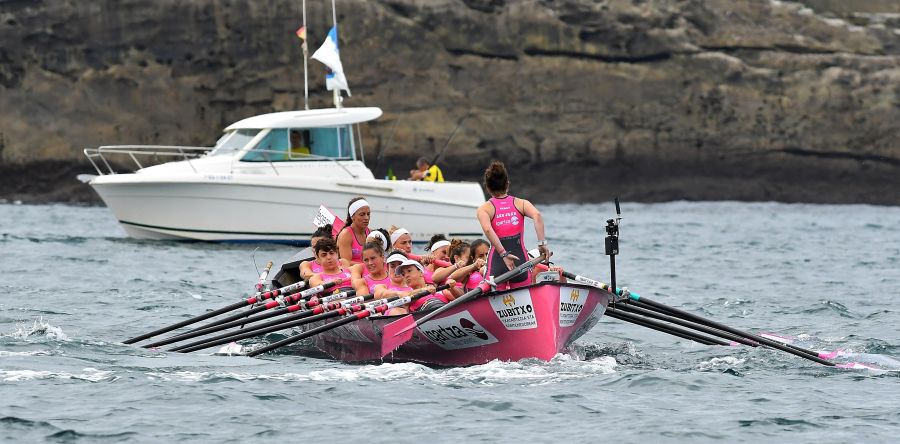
(496, 179)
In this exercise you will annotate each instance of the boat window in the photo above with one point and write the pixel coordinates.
(233, 141)
(300, 144)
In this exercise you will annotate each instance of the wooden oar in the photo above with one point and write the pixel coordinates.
(354, 313)
(627, 295)
(290, 304)
(692, 325)
(662, 327)
(249, 301)
(292, 320)
(398, 332)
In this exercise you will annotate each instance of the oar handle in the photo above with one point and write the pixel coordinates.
(260, 284)
(355, 313)
(443, 263)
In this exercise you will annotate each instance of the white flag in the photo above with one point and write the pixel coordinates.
(329, 55)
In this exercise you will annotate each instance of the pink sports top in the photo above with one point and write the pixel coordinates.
(357, 248)
(422, 300)
(509, 224)
(475, 278)
(315, 266)
(507, 220)
(427, 274)
(343, 274)
(371, 283)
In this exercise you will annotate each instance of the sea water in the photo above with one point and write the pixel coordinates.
(74, 286)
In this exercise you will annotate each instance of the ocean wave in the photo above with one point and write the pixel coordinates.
(38, 328)
(88, 374)
(5, 353)
(529, 372)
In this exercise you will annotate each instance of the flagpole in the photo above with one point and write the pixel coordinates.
(337, 91)
(305, 68)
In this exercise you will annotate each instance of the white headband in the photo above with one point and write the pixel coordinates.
(378, 235)
(355, 206)
(395, 258)
(439, 244)
(396, 235)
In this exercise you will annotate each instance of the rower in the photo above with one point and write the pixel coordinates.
(327, 256)
(480, 249)
(502, 220)
(400, 239)
(358, 215)
(426, 172)
(376, 273)
(311, 267)
(467, 269)
(396, 286)
(438, 250)
(412, 271)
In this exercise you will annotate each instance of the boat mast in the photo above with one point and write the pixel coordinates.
(305, 69)
(337, 91)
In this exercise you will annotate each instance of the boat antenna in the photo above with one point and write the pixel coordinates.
(337, 91)
(305, 67)
(612, 244)
(449, 139)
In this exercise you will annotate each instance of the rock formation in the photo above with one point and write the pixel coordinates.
(646, 99)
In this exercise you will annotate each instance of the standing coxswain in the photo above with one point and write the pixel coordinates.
(502, 220)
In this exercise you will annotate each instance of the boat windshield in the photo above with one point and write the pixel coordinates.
(233, 141)
(300, 144)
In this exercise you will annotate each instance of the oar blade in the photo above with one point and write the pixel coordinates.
(396, 334)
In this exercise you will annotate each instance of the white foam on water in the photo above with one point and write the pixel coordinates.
(89, 374)
(531, 372)
(38, 328)
(4, 353)
(720, 363)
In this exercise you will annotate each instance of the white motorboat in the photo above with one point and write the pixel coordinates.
(265, 179)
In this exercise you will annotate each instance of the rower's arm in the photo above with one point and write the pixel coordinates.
(484, 218)
(345, 244)
(356, 271)
(306, 270)
(442, 273)
(360, 286)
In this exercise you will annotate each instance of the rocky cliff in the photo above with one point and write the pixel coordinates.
(586, 99)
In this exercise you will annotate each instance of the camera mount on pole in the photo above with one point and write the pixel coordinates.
(612, 244)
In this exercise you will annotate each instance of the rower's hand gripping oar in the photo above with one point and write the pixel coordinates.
(398, 332)
(355, 313)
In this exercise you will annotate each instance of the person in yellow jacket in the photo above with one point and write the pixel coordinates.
(425, 171)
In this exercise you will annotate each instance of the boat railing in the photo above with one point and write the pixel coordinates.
(98, 156)
(267, 154)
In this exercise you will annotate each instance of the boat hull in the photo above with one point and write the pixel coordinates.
(279, 209)
(538, 321)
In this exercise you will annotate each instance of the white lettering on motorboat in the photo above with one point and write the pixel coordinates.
(457, 331)
(218, 177)
(571, 302)
(515, 310)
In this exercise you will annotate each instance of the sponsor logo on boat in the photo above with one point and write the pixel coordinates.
(570, 305)
(460, 330)
(515, 310)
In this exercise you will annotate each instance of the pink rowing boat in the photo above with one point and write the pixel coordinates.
(537, 321)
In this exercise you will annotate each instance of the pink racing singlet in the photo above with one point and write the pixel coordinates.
(343, 274)
(315, 267)
(421, 301)
(475, 278)
(371, 283)
(427, 274)
(357, 248)
(509, 224)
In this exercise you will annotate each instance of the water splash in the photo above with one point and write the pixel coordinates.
(38, 328)
(88, 374)
(525, 372)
